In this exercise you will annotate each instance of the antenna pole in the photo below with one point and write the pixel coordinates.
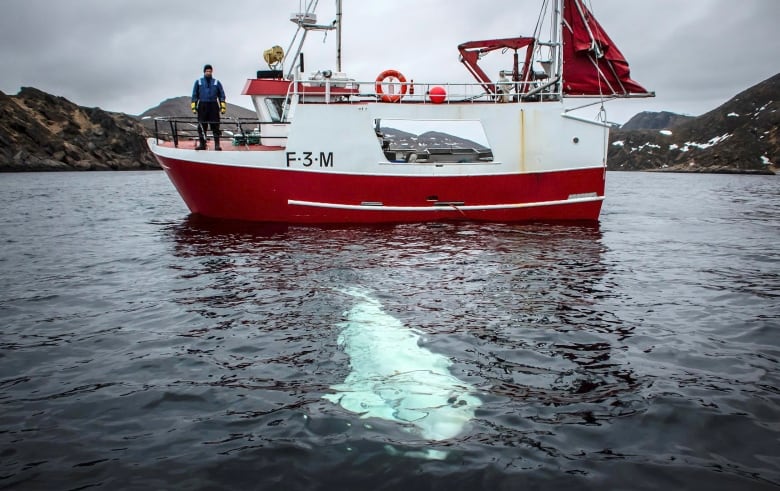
(556, 42)
(338, 35)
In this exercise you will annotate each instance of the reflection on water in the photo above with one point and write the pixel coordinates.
(142, 348)
(515, 307)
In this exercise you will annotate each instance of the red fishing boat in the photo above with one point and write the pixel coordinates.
(320, 151)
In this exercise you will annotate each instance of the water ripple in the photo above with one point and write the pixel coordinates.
(142, 347)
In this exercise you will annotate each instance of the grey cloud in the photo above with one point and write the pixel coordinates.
(128, 55)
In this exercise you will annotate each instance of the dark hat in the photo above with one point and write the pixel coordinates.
(207, 67)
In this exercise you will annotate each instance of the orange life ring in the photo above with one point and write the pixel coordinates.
(391, 97)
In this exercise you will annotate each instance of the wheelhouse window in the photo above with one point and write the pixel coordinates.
(426, 141)
(275, 107)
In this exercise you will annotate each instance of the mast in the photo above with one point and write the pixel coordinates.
(556, 45)
(338, 35)
(308, 22)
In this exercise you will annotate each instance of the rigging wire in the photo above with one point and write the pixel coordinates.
(542, 16)
(602, 114)
(538, 27)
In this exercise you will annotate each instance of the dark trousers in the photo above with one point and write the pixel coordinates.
(208, 115)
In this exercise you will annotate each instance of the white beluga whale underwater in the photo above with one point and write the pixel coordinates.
(393, 378)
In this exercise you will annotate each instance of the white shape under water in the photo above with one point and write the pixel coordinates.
(392, 377)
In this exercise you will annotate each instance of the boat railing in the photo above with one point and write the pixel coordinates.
(340, 91)
(241, 131)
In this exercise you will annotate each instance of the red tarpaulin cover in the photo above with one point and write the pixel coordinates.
(583, 72)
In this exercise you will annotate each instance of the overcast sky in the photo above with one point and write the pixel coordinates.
(130, 55)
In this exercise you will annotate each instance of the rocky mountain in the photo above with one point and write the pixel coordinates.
(430, 139)
(649, 120)
(39, 131)
(179, 107)
(741, 136)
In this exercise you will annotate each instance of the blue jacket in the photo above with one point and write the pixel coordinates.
(208, 90)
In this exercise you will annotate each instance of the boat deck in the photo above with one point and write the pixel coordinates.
(226, 144)
(237, 134)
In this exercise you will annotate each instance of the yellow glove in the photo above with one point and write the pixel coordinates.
(222, 107)
(194, 110)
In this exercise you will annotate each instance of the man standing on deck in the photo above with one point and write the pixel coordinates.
(208, 101)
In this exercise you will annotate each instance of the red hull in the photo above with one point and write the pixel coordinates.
(292, 196)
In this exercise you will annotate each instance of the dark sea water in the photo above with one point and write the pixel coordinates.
(142, 348)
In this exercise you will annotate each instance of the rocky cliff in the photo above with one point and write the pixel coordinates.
(741, 136)
(648, 120)
(39, 131)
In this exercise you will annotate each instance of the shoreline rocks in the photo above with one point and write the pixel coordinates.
(42, 132)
